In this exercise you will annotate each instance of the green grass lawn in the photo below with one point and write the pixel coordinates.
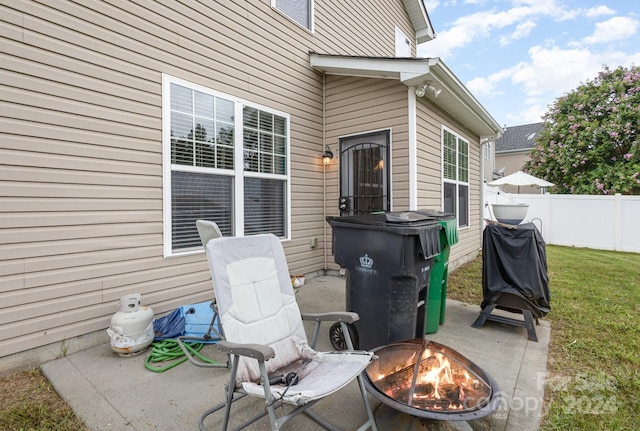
(594, 354)
(29, 403)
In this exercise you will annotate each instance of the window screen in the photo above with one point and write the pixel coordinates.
(455, 173)
(297, 10)
(206, 167)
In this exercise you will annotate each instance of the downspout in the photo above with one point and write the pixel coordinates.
(413, 149)
(324, 178)
(483, 143)
(482, 204)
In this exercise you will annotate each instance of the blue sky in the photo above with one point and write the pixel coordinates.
(518, 56)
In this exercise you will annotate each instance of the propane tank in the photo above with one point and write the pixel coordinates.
(131, 329)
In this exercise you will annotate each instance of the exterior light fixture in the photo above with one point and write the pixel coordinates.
(436, 91)
(421, 91)
(327, 156)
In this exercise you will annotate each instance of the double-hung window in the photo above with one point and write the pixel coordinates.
(225, 160)
(455, 181)
(487, 151)
(300, 11)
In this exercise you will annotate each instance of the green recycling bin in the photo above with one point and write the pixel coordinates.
(437, 298)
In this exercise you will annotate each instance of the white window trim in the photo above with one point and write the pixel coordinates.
(238, 210)
(456, 181)
(312, 7)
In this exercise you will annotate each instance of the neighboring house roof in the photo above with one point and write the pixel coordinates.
(518, 138)
(420, 20)
(455, 98)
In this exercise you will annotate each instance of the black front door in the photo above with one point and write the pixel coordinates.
(364, 173)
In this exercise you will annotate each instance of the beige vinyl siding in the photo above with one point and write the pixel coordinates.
(80, 154)
(488, 165)
(429, 161)
(428, 155)
(360, 27)
(357, 105)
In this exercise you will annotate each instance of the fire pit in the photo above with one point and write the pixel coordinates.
(428, 380)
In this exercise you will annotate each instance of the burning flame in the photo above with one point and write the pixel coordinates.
(433, 382)
(442, 374)
(409, 362)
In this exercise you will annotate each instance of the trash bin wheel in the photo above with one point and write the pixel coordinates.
(337, 337)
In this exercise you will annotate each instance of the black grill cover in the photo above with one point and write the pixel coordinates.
(515, 261)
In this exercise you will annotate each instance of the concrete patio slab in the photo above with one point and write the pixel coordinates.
(109, 392)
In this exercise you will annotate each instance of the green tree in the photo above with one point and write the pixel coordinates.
(589, 144)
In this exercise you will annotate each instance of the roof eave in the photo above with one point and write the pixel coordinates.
(420, 20)
(455, 98)
(401, 69)
(461, 103)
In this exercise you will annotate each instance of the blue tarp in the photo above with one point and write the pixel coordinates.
(189, 320)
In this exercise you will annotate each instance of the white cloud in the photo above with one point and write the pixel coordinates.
(522, 30)
(549, 73)
(481, 25)
(532, 114)
(518, 77)
(431, 5)
(492, 85)
(614, 29)
(465, 30)
(554, 70)
(599, 11)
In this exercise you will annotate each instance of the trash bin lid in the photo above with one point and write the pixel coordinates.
(436, 214)
(410, 218)
(398, 223)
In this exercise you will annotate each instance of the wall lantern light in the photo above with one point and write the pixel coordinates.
(327, 156)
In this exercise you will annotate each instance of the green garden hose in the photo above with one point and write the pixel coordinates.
(169, 350)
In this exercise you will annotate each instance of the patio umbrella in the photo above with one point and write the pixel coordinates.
(520, 179)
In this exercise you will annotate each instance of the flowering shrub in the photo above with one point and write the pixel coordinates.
(589, 144)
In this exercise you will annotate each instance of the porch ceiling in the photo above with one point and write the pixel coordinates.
(455, 98)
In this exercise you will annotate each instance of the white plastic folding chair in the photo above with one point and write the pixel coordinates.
(265, 337)
(207, 230)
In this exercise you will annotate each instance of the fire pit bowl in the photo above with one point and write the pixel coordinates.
(510, 213)
(429, 380)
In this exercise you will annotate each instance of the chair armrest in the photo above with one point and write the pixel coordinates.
(335, 316)
(258, 351)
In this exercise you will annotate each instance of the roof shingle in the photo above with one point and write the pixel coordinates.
(518, 137)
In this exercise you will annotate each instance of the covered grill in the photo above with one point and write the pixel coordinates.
(514, 276)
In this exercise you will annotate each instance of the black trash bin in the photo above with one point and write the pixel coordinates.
(388, 258)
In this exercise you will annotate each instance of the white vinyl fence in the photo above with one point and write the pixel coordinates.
(599, 222)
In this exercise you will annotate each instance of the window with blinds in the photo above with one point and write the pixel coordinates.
(300, 11)
(215, 144)
(455, 176)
